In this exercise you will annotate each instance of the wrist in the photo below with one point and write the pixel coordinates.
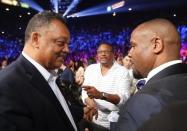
(104, 96)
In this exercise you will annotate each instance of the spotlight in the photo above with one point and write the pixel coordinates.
(72, 5)
(32, 4)
(105, 8)
(28, 13)
(7, 9)
(109, 8)
(118, 5)
(129, 9)
(55, 5)
(114, 14)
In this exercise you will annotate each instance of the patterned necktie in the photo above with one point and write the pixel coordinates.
(140, 84)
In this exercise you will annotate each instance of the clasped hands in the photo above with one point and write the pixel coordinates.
(89, 112)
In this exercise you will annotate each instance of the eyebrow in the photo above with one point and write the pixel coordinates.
(62, 39)
(133, 43)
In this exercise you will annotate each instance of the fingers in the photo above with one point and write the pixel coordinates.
(96, 114)
(90, 102)
(86, 87)
(90, 91)
(89, 114)
(90, 96)
(86, 110)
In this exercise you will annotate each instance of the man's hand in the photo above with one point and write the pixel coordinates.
(90, 102)
(89, 112)
(92, 92)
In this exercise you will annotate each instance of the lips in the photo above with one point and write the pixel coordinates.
(103, 58)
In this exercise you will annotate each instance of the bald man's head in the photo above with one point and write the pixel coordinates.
(153, 43)
(163, 28)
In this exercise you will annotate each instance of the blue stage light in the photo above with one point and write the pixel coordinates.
(105, 8)
(71, 6)
(33, 5)
(109, 8)
(55, 5)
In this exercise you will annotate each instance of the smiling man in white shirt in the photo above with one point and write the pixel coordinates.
(106, 86)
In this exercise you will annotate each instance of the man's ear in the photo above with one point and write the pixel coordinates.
(35, 39)
(158, 45)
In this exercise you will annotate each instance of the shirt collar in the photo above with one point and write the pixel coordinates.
(160, 68)
(45, 73)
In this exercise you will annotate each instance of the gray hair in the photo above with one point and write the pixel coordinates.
(40, 20)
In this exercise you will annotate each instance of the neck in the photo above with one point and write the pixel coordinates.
(105, 68)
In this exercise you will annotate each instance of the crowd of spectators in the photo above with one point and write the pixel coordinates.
(84, 41)
(10, 48)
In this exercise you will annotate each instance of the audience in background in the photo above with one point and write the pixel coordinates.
(4, 63)
(127, 63)
(66, 74)
(85, 40)
(79, 72)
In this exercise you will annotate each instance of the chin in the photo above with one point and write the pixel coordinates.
(103, 62)
(136, 74)
(58, 64)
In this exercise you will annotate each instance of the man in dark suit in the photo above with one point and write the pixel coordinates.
(30, 99)
(155, 56)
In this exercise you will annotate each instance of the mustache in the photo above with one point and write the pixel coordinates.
(61, 54)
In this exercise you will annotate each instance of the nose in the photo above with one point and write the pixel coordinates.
(66, 48)
(130, 53)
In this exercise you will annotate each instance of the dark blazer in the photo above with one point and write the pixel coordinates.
(172, 118)
(166, 87)
(27, 103)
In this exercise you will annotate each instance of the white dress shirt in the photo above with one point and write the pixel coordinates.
(51, 78)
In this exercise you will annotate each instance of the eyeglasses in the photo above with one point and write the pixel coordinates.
(104, 52)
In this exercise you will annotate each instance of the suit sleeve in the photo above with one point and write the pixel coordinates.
(13, 113)
(77, 112)
(136, 111)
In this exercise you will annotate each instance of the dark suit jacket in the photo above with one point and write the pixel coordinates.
(172, 118)
(166, 87)
(27, 102)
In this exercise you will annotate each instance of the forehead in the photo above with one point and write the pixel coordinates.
(140, 36)
(57, 29)
(104, 47)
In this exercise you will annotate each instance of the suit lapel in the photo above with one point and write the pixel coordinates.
(39, 82)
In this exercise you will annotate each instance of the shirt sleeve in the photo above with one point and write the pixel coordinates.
(123, 88)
